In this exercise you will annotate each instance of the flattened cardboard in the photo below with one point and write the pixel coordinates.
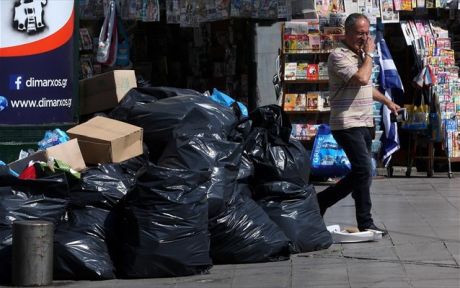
(105, 140)
(105, 91)
(19, 165)
(68, 152)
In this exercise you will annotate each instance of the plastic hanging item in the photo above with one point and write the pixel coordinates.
(123, 45)
(328, 159)
(108, 38)
(418, 116)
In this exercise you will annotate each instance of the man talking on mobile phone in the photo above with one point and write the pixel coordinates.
(351, 118)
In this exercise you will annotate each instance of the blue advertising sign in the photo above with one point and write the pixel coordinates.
(37, 62)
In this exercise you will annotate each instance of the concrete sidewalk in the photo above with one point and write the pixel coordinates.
(422, 248)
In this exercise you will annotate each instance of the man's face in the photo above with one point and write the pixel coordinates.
(357, 36)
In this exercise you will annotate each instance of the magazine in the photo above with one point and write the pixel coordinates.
(289, 101)
(290, 70)
(173, 11)
(312, 72)
(86, 67)
(241, 8)
(301, 72)
(85, 39)
(150, 11)
(300, 102)
(322, 71)
(312, 101)
(323, 103)
(314, 41)
(387, 12)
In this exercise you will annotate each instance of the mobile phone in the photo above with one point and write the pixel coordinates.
(401, 117)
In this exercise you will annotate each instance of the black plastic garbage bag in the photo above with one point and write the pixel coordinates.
(277, 161)
(168, 118)
(295, 210)
(275, 121)
(27, 200)
(245, 234)
(275, 155)
(103, 186)
(39, 199)
(82, 242)
(145, 95)
(207, 153)
(80, 251)
(164, 225)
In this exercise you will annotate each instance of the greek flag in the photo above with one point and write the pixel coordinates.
(391, 86)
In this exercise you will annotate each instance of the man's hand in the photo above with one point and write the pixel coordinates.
(393, 107)
(369, 45)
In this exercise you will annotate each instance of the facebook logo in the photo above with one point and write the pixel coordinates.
(16, 82)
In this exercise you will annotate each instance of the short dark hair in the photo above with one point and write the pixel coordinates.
(352, 19)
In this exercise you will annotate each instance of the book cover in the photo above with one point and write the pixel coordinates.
(406, 5)
(289, 101)
(86, 39)
(322, 71)
(86, 67)
(323, 103)
(222, 9)
(312, 71)
(405, 28)
(327, 42)
(315, 41)
(303, 42)
(300, 102)
(290, 42)
(241, 8)
(456, 144)
(313, 26)
(293, 130)
(312, 130)
(312, 101)
(388, 14)
(301, 72)
(420, 3)
(290, 70)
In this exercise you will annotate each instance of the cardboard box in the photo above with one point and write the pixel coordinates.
(68, 152)
(105, 91)
(104, 140)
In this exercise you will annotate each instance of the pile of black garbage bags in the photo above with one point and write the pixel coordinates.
(212, 187)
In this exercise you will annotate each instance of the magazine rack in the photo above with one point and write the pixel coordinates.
(304, 77)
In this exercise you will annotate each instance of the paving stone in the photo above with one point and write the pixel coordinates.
(429, 252)
(422, 249)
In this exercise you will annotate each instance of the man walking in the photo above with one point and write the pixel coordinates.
(351, 118)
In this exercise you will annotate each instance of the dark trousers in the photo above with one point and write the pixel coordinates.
(356, 142)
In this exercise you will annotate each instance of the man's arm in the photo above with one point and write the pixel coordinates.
(364, 72)
(362, 76)
(378, 96)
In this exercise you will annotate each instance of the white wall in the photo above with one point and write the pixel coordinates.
(267, 44)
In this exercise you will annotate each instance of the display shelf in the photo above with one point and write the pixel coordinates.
(306, 81)
(295, 52)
